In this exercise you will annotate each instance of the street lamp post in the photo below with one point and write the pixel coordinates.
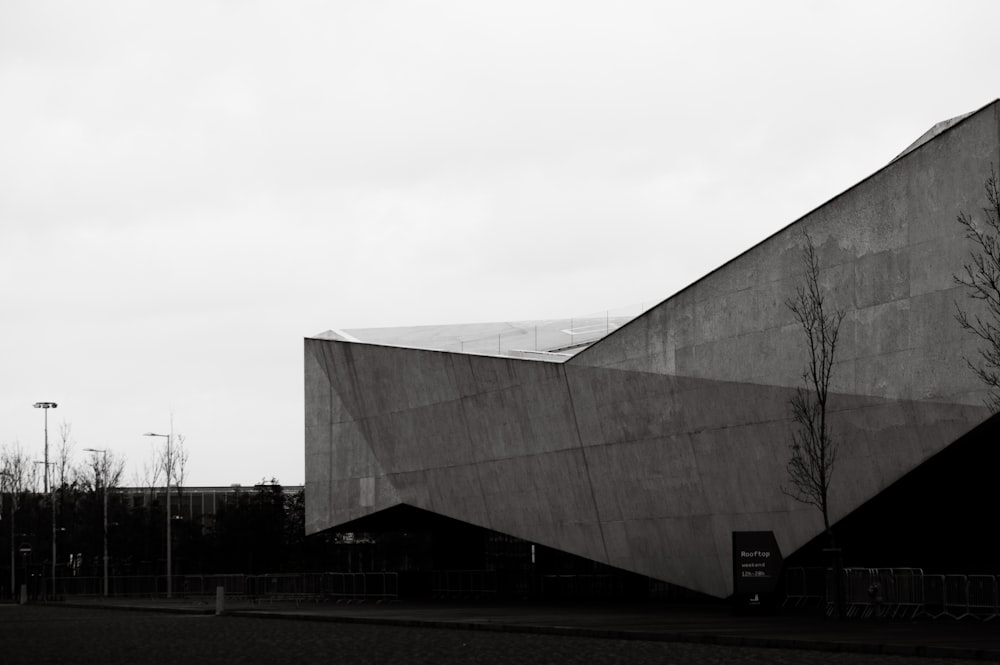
(169, 469)
(52, 500)
(45, 406)
(102, 477)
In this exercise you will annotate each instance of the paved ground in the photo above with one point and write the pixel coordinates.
(59, 634)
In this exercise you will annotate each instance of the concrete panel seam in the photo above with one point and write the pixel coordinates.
(479, 474)
(362, 422)
(311, 345)
(586, 464)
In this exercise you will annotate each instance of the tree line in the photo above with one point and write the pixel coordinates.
(248, 530)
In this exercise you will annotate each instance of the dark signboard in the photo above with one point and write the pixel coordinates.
(756, 567)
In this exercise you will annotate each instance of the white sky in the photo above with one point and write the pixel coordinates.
(187, 189)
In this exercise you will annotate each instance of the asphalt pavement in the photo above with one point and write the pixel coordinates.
(664, 623)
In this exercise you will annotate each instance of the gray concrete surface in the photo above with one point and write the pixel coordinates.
(648, 449)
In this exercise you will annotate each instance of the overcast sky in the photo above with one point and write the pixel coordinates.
(188, 189)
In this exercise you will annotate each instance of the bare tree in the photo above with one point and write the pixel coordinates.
(19, 477)
(148, 476)
(104, 470)
(20, 471)
(813, 447)
(179, 460)
(175, 464)
(64, 455)
(171, 459)
(981, 276)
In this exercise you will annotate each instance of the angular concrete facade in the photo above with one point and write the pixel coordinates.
(646, 450)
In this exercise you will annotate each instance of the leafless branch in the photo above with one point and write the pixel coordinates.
(813, 450)
(64, 455)
(981, 278)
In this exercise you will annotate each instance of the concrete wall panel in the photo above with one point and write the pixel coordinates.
(646, 479)
(400, 439)
(649, 448)
(456, 491)
(352, 457)
(318, 477)
(317, 390)
(536, 497)
(881, 277)
(497, 423)
(890, 237)
(660, 548)
(878, 330)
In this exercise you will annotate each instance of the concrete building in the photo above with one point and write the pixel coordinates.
(196, 504)
(647, 449)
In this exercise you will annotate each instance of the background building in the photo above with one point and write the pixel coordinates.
(198, 505)
(644, 451)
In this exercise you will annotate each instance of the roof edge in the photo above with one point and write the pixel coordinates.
(914, 147)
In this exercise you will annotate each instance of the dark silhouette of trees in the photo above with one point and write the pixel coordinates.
(253, 530)
(260, 531)
(23, 511)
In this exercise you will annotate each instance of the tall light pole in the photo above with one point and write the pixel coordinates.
(102, 477)
(52, 500)
(169, 470)
(45, 406)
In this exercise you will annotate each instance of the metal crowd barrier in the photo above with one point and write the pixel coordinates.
(357, 587)
(118, 585)
(946, 596)
(956, 596)
(343, 587)
(909, 589)
(580, 585)
(961, 596)
(463, 584)
(795, 587)
(981, 594)
(906, 593)
(934, 592)
(805, 587)
(278, 587)
(197, 585)
(858, 601)
(879, 592)
(350, 587)
(815, 586)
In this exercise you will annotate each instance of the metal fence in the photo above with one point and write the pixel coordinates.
(463, 584)
(340, 587)
(582, 585)
(805, 587)
(894, 593)
(890, 593)
(883, 592)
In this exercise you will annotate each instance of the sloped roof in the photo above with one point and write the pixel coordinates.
(932, 132)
